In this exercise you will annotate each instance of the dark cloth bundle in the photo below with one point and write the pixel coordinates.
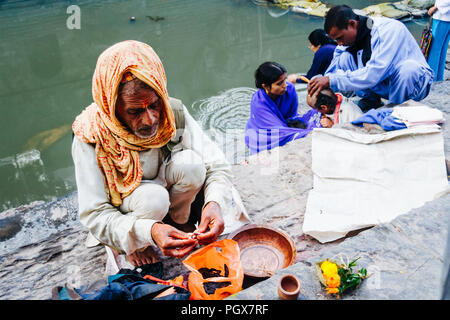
(363, 40)
(125, 285)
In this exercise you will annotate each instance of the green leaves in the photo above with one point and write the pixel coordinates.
(345, 280)
(350, 280)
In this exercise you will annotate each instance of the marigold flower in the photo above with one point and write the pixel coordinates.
(333, 281)
(329, 268)
(332, 290)
(332, 274)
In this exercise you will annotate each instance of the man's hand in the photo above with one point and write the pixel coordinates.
(326, 122)
(171, 241)
(211, 224)
(317, 84)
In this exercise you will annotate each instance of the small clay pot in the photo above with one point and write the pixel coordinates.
(289, 287)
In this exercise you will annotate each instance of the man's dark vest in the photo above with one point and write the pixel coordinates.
(362, 41)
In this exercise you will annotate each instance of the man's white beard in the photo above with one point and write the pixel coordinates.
(136, 133)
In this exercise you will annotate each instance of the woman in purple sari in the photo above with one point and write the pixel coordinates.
(273, 111)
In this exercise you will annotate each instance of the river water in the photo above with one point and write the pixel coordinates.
(210, 49)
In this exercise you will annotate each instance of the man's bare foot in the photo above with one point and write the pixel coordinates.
(148, 256)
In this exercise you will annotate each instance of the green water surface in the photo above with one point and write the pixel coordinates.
(207, 47)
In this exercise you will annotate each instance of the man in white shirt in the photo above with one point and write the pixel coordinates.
(335, 108)
(140, 158)
(440, 37)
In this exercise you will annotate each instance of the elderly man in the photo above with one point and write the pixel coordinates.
(140, 158)
(334, 107)
(375, 58)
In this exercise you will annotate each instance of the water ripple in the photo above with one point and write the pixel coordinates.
(228, 110)
(224, 117)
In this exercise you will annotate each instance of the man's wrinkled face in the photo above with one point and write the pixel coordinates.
(345, 37)
(140, 112)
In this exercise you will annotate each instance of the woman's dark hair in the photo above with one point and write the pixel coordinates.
(268, 73)
(338, 17)
(320, 38)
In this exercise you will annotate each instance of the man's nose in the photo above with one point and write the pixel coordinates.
(150, 117)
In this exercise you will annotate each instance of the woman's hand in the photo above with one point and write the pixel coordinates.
(432, 10)
(211, 224)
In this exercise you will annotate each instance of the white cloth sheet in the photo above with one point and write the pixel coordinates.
(362, 179)
(418, 115)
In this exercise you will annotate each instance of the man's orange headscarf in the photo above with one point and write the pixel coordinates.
(117, 149)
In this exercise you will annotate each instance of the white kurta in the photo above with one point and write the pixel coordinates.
(127, 232)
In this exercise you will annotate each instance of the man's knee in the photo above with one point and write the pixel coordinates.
(408, 69)
(148, 201)
(186, 169)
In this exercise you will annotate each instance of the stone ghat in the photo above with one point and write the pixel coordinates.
(408, 254)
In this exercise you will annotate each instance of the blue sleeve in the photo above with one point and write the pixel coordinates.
(320, 58)
(381, 117)
(291, 99)
(317, 61)
(336, 62)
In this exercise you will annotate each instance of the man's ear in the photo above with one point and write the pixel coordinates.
(322, 108)
(352, 23)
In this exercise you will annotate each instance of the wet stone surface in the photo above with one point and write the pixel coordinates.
(9, 227)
